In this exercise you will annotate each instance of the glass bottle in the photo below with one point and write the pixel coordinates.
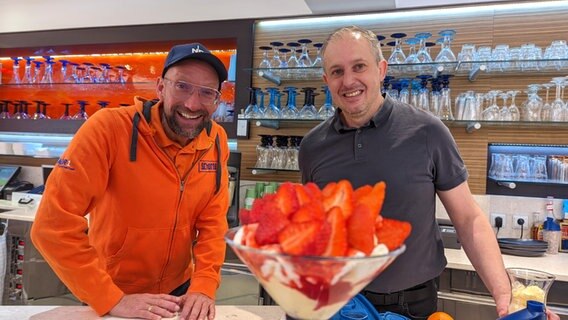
(536, 228)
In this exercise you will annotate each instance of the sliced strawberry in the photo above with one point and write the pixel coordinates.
(393, 233)
(286, 199)
(302, 194)
(361, 229)
(339, 195)
(271, 222)
(296, 237)
(312, 211)
(249, 232)
(373, 197)
(321, 240)
(313, 190)
(337, 244)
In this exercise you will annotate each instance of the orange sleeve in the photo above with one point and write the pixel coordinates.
(211, 225)
(59, 230)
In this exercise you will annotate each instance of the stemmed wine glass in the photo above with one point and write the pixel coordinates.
(65, 115)
(276, 61)
(546, 112)
(446, 56)
(82, 113)
(491, 113)
(38, 113)
(251, 111)
(317, 63)
(120, 76)
(397, 56)
(557, 106)
(513, 109)
(533, 105)
(293, 62)
(16, 71)
(290, 111)
(504, 114)
(326, 110)
(304, 60)
(5, 111)
(48, 74)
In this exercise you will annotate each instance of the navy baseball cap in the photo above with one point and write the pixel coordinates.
(195, 51)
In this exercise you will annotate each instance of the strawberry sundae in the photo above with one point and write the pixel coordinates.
(313, 250)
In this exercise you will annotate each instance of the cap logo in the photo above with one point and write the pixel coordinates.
(195, 50)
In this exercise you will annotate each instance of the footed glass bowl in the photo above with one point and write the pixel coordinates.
(310, 287)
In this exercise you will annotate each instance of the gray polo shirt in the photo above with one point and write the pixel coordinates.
(415, 154)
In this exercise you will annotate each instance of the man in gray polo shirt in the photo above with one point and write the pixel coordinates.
(374, 138)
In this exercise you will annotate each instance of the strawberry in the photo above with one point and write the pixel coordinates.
(286, 199)
(296, 237)
(372, 197)
(302, 195)
(313, 190)
(337, 244)
(249, 232)
(260, 206)
(338, 194)
(311, 211)
(393, 233)
(361, 229)
(321, 240)
(244, 216)
(271, 222)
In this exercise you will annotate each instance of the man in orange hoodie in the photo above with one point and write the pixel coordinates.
(153, 179)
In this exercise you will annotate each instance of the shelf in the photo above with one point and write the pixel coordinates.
(259, 171)
(541, 182)
(43, 85)
(469, 69)
(472, 125)
(54, 126)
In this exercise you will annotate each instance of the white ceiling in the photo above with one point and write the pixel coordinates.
(33, 15)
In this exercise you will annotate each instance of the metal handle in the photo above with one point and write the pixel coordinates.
(507, 184)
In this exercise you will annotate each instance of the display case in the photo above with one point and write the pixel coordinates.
(527, 170)
(95, 68)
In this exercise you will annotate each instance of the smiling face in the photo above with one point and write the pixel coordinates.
(354, 74)
(185, 116)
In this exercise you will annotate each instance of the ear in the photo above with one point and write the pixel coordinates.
(383, 66)
(160, 88)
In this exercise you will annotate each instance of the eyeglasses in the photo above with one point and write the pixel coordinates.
(184, 90)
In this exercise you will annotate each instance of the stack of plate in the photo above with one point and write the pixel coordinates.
(522, 247)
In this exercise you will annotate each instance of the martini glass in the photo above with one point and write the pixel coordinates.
(311, 287)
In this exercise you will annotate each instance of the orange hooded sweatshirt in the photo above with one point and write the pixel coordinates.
(153, 223)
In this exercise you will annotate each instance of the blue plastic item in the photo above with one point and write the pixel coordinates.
(359, 308)
(533, 311)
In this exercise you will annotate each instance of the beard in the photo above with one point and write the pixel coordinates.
(184, 131)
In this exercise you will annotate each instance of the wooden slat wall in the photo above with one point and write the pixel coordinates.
(540, 26)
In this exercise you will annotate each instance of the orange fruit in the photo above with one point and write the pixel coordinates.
(439, 315)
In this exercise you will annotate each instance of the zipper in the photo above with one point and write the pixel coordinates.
(182, 188)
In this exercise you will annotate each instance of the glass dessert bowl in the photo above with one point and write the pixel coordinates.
(311, 287)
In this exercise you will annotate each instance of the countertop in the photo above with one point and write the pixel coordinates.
(86, 313)
(556, 264)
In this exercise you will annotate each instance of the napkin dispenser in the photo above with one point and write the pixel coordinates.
(449, 234)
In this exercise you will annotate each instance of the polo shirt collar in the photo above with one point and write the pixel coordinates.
(379, 117)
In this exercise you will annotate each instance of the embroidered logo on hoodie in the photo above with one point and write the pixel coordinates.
(207, 166)
(65, 164)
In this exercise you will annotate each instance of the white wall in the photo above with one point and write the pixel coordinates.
(33, 15)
